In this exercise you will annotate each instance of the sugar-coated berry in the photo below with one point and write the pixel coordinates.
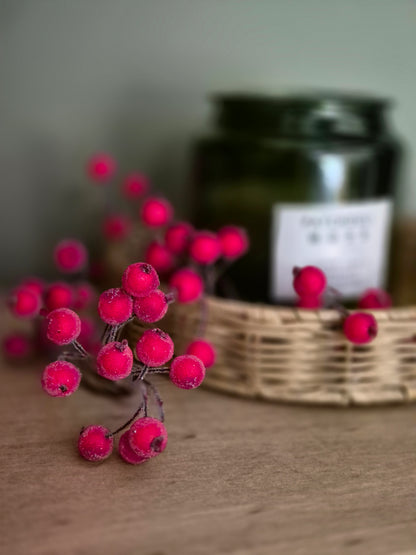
(115, 306)
(127, 453)
(140, 279)
(115, 360)
(70, 256)
(95, 443)
(116, 227)
(154, 348)
(188, 285)
(205, 247)
(360, 328)
(148, 437)
(374, 299)
(160, 257)
(309, 281)
(58, 295)
(156, 212)
(187, 371)
(309, 301)
(17, 345)
(36, 284)
(24, 302)
(151, 308)
(178, 236)
(135, 185)
(64, 326)
(234, 241)
(84, 295)
(101, 167)
(204, 350)
(60, 378)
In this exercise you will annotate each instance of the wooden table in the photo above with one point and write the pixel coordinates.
(238, 477)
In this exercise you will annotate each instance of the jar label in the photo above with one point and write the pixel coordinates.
(348, 241)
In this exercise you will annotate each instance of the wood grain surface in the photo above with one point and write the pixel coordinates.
(238, 477)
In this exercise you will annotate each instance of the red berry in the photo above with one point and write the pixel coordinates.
(154, 348)
(34, 284)
(64, 326)
(17, 346)
(116, 227)
(375, 298)
(187, 371)
(360, 328)
(148, 437)
(309, 281)
(70, 256)
(309, 301)
(101, 167)
(151, 308)
(188, 285)
(234, 241)
(159, 257)
(156, 212)
(115, 360)
(177, 237)
(140, 279)
(135, 185)
(24, 302)
(84, 295)
(115, 306)
(95, 443)
(58, 295)
(127, 453)
(205, 247)
(60, 378)
(204, 350)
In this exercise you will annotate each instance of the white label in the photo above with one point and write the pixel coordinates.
(348, 241)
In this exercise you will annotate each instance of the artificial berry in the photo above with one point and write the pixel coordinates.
(156, 212)
(115, 360)
(84, 295)
(64, 326)
(24, 302)
(140, 279)
(151, 308)
(360, 328)
(60, 378)
(116, 227)
(309, 281)
(101, 167)
(58, 295)
(309, 301)
(234, 241)
(135, 185)
(188, 285)
(154, 348)
(375, 298)
(95, 443)
(115, 306)
(70, 256)
(34, 284)
(187, 371)
(147, 437)
(205, 247)
(127, 453)
(177, 237)
(159, 256)
(204, 350)
(17, 346)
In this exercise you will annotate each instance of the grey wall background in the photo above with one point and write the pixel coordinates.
(132, 77)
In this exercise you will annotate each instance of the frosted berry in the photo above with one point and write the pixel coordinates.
(375, 298)
(70, 256)
(151, 308)
(84, 295)
(115, 360)
(24, 302)
(154, 348)
(309, 301)
(177, 237)
(17, 346)
(101, 167)
(205, 247)
(156, 212)
(309, 281)
(58, 295)
(116, 227)
(63, 326)
(37, 285)
(148, 437)
(234, 241)
(135, 185)
(159, 256)
(95, 443)
(115, 306)
(188, 285)
(140, 279)
(127, 453)
(204, 350)
(360, 328)
(187, 371)
(60, 378)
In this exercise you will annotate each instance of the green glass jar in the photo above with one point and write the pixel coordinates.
(311, 177)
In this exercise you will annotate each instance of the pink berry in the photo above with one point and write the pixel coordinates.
(70, 256)
(115, 306)
(64, 326)
(115, 360)
(309, 301)
(135, 185)
(140, 279)
(84, 295)
(309, 281)
(188, 285)
(187, 371)
(58, 295)
(127, 453)
(156, 212)
(160, 257)
(101, 167)
(116, 227)
(360, 328)
(151, 308)
(204, 350)
(375, 298)
(205, 247)
(24, 302)
(154, 348)
(60, 378)
(35, 284)
(17, 346)
(148, 437)
(177, 237)
(95, 443)
(234, 241)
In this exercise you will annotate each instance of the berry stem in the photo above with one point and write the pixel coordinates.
(129, 421)
(80, 349)
(143, 390)
(157, 398)
(164, 370)
(171, 297)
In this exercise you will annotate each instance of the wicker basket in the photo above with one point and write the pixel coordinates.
(292, 355)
